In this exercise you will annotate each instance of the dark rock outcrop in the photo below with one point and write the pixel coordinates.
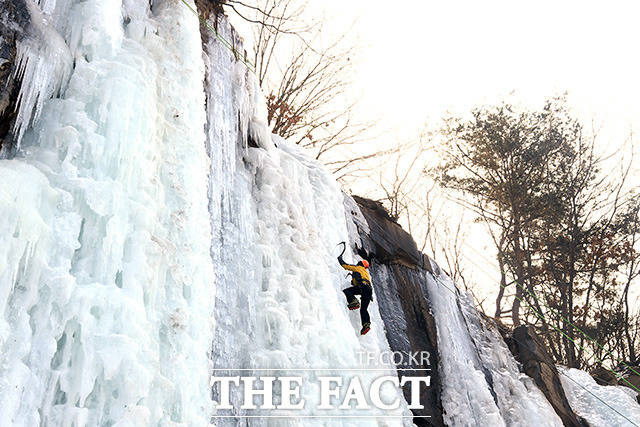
(538, 364)
(391, 242)
(211, 12)
(604, 376)
(633, 378)
(410, 327)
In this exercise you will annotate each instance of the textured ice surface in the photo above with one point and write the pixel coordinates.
(144, 242)
(276, 218)
(44, 64)
(482, 384)
(116, 228)
(600, 405)
(106, 284)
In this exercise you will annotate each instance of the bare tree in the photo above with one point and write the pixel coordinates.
(444, 236)
(409, 198)
(305, 83)
(399, 185)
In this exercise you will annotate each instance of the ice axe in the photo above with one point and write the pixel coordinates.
(344, 248)
(360, 251)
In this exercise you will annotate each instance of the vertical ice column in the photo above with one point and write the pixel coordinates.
(107, 284)
(481, 380)
(44, 63)
(276, 218)
(232, 215)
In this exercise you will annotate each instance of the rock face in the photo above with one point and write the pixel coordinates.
(403, 303)
(634, 379)
(390, 243)
(410, 329)
(537, 363)
(604, 377)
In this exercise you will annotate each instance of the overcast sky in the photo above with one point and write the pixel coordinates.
(422, 58)
(419, 60)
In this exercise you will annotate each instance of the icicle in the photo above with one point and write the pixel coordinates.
(44, 66)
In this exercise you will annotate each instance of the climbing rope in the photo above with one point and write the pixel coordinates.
(539, 315)
(565, 375)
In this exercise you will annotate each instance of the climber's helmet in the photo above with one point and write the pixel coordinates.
(365, 263)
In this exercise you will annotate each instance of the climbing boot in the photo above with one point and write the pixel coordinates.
(365, 328)
(354, 305)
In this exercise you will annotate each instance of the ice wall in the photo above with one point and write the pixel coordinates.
(154, 232)
(482, 384)
(106, 284)
(600, 406)
(133, 195)
(276, 219)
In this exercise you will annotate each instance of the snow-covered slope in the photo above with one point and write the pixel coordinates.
(153, 233)
(600, 406)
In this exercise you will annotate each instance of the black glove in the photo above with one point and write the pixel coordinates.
(363, 253)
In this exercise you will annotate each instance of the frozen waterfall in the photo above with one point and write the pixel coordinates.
(121, 227)
(106, 281)
(154, 233)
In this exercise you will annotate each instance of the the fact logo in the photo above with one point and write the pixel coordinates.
(338, 389)
(331, 393)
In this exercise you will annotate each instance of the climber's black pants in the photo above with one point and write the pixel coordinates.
(365, 292)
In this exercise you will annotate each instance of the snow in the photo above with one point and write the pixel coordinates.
(599, 405)
(482, 382)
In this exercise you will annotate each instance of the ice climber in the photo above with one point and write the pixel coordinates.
(361, 285)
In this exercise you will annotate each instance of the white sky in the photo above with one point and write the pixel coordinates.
(426, 57)
(420, 59)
